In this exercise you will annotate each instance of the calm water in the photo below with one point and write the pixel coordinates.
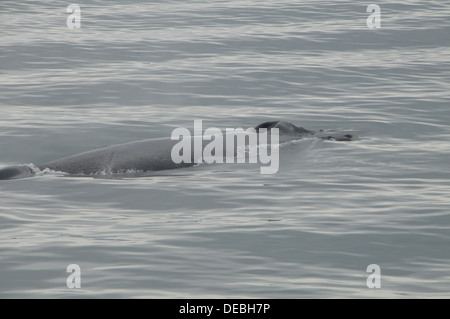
(137, 70)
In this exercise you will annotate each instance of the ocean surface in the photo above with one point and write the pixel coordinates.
(137, 70)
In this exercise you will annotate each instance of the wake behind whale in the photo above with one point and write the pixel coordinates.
(157, 154)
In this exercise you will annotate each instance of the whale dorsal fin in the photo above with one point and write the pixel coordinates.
(284, 127)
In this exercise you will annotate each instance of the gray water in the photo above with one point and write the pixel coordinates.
(136, 70)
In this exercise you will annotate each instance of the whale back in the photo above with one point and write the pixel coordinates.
(13, 172)
(145, 155)
(153, 155)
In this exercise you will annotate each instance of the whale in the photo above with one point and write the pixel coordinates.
(149, 155)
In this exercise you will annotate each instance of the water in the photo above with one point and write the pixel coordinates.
(137, 70)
